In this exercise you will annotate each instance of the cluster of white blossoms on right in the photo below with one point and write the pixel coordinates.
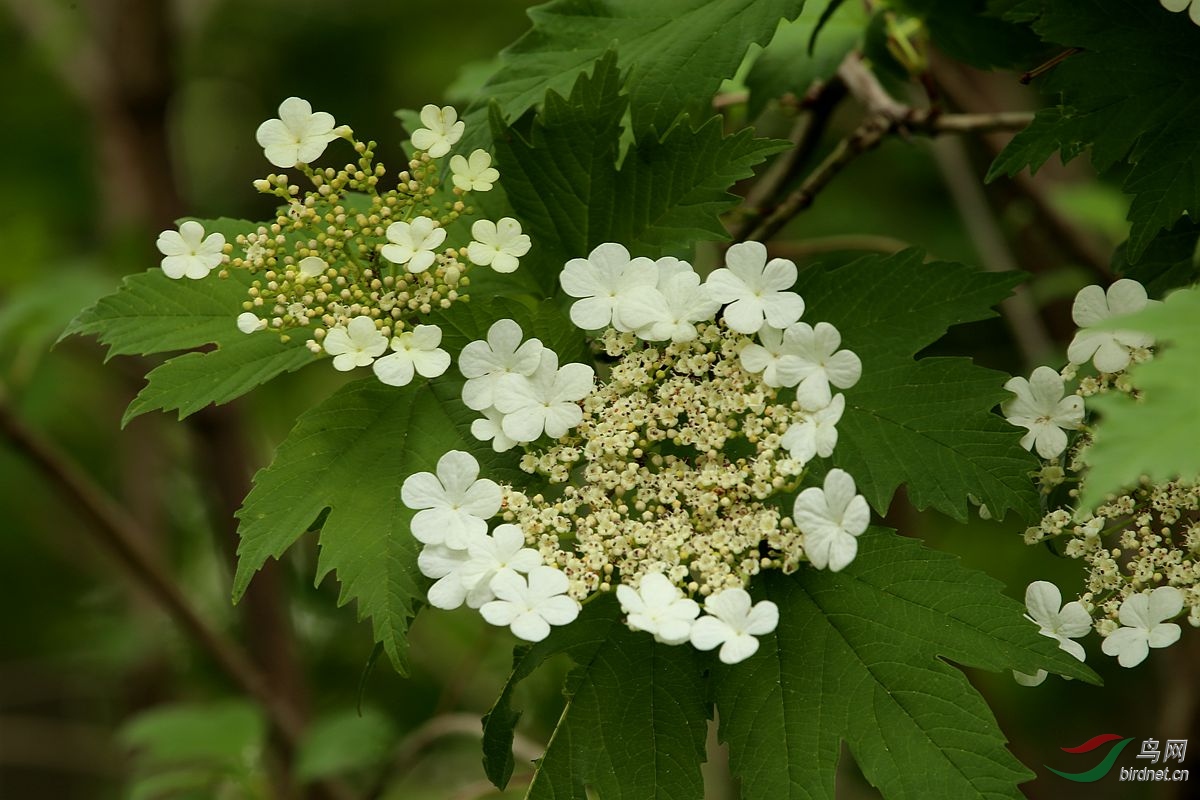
(1191, 6)
(352, 266)
(1140, 549)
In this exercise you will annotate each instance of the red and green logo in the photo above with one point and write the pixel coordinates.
(1100, 770)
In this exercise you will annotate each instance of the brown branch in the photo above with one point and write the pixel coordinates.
(119, 534)
(885, 116)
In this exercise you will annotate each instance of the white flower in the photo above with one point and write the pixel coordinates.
(311, 267)
(677, 303)
(1039, 407)
(530, 606)
(497, 244)
(817, 434)
(1108, 350)
(504, 549)
(413, 243)
(414, 350)
(444, 564)
(1192, 6)
(248, 322)
(491, 429)
(658, 607)
(607, 281)
(756, 290)
(486, 364)
(777, 357)
(453, 505)
(546, 401)
(299, 135)
(355, 345)
(1143, 625)
(821, 363)
(442, 129)
(830, 519)
(731, 622)
(1062, 623)
(475, 174)
(188, 252)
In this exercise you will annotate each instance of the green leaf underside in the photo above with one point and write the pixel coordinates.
(1132, 95)
(350, 454)
(787, 65)
(563, 181)
(1157, 436)
(927, 423)
(675, 53)
(858, 657)
(635, 721)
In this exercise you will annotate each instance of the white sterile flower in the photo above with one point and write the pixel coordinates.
(445, 565)
(607, 281)
(776, 357)
(1060, 622)
(452, 505)
(1192, 6)
(756, 290)
(486, 363)
(529, 606)
(475, 174)
(311, 267)
(1108, 350)
(248, 322)
(413, 243)
(817, 434)
(188, 253)
(821, 363)
(416, 350)
(1039, 407)
(504, 549)
(299, 135)
(658, 607)
(732, 623)
(674, 307)
(546, 401)
(355, 345)
(1143, 625)
(491, 429)
(442, 130)
(497, 244)
(830, 519)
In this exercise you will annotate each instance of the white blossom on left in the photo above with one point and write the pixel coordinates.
(453, 505)
(299, 136)
(498, 245)
(658, 607)
(731, 623)
(357, 344)
(442, 130)
(188, 253)
(1063, 623)
(831, 519)
(530, 605)
(758, 291)
(415, 351)
(1040, 408)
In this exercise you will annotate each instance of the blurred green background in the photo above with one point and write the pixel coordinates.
(126, 114)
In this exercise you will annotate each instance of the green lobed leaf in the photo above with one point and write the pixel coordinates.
(1157, 435)
(1131, 94)
(927, 423)
(349, 455)
(675, 53)
(860, 656)
(1170, 261)
(562, 177)
(635, 721)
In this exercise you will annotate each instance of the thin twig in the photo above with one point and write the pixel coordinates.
(119, 534)
(885, 116)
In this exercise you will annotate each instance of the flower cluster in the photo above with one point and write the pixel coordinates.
(351, 265)
(1140, 549)
(674, 479)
